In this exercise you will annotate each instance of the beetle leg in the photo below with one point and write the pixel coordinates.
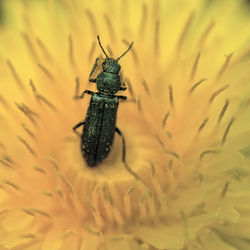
(77, 81)
(122, 97)
(89, 92)
(77, 126)
(123, 87)
(92, 71)
(84, 92)
(124, 154)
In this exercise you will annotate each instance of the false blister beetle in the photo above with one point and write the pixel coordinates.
(99, 125)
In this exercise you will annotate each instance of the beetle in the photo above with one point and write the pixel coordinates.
(99, 125)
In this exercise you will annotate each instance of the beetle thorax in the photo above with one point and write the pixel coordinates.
(108, 83)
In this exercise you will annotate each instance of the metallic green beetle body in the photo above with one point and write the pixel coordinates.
(100, 122)
(99, 128)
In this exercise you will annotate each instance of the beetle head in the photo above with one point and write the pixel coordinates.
(111, 65)
(110, 83)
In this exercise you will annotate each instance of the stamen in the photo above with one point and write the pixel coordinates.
(27, 112)
(206, 152)
(243, 56)
(144, 19)
(110, 27)
(91, 52)
(27, 146)
(54, 163)
(160, 141)
(46, 101)
(243, 108)
(185, 31)
(163, 204)
(8, 159)
(92, 22)
(152, 167)
(223, 111)
(225, 189)
(141, 243)
(46, 72)
(194, 68)
(12, 184)
(28, 236)
(145, 86)
(59, 192)
(164, 148)
(71, 51)
(130, 88)
(41, 170)
(28, 211)
(172, 153)
(196, 85)
(164, 120)
(61, 175)
(77, 81)
(205, 34)
(171, 98)
(27, 130)
(217, 92)
(227, 131)
(156, 40)
(125, 14)
(198, 209)
(4, 102)
(168, 134)
(138, 102)
(203, 124)
(245, 151)
(97, 218)
(119, 220)
(151, 206)
(48, 193)
(32, 85)
(6, 163)
(93, 231)
(128, 202)
(142, 207)
(44, 50)
(26, 20)
(30, 46)
(15, 75)
(40, 97)
(155, 9)
(68, 233)
(224, 66)
(41, 212)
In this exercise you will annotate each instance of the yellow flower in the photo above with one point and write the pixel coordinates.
(187, 134)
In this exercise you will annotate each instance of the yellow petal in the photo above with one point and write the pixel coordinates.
(174, 236)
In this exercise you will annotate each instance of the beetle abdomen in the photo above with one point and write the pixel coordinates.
(99, 128)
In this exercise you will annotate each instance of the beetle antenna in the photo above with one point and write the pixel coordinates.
(125, 52)
(98, 38)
